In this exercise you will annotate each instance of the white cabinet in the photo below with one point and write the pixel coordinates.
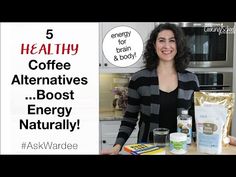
(143, 28)
(108, 133)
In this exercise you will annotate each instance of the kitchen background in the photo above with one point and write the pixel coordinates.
(215, 75)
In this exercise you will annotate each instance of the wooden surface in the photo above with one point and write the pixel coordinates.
(192, 150)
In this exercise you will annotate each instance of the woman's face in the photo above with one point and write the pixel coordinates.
(166, 45)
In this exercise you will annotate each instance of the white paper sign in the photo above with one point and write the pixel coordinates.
(49, 88)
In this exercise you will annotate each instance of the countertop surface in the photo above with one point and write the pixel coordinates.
(111, 115)
(192, 150)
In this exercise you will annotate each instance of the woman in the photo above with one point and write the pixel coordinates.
(158, 93)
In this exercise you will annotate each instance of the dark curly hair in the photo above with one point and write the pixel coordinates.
(183, 55)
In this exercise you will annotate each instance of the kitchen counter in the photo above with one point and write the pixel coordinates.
(192, 150)
(111, 115)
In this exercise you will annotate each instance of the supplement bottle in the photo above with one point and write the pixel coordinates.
(184, 125)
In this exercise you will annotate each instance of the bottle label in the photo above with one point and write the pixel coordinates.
(185, 126)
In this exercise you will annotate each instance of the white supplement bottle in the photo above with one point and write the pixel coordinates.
(178, 143)
(184, 125)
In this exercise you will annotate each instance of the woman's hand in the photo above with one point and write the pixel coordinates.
(113, 151)
(232, 140)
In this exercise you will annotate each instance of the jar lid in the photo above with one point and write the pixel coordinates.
(178, 137)
(184, 111)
